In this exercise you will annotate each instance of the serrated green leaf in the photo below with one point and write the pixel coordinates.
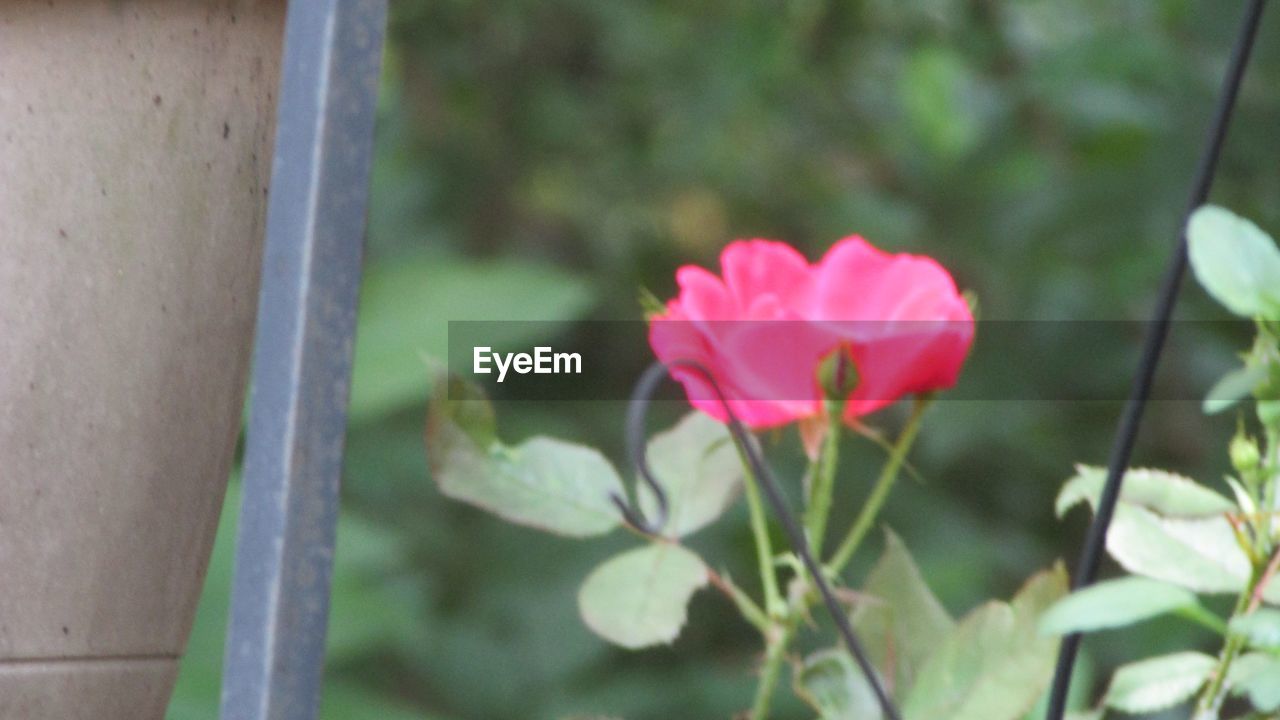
(639, 598)
(900, 618)
(1165, 493)
(1158, 683)
(1114, 603)
(696, 464)
(1261, 628)
(1168, 528)
(1200, 555)
(1235, 261)
(994, 665)
(1234, 387)
(1256, 675)
(543, 483)
(836, 688)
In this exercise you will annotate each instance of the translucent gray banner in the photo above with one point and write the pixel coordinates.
(1061, 360)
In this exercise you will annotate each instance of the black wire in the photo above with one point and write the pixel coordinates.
(636, 412)
(640, 402)
(1157, 332)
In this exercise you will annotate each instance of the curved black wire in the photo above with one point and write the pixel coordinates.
(637, 409)
(1153, 344)
(640, 401)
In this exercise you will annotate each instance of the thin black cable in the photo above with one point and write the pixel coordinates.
(1153, 344)
(636, 412)
(640, 401)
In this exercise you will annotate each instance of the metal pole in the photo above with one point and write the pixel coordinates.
(1153, 345)
(302, 359)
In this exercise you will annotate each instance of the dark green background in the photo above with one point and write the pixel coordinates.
(543, 160)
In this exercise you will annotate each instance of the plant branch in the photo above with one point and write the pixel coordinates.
(752, 612)
(1270, 478)
(880, 493)
(773, 602)
(1210, 701)
(824, 474)
(775, 653)
(1268, 574)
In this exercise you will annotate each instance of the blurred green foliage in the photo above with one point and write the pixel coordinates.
(545, 159)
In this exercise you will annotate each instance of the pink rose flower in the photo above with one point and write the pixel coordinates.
(764, 327)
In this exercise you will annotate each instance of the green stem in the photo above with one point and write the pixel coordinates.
(1210, 701)
(773, 602)
(771, 670)
(1270, 472)
(880, 493)
(752, 612)
(824, 480)
(785, 617)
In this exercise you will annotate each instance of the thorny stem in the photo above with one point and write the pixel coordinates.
(779, 639)
(1210, 701)
(782, 625)
(773, 604)
(741, 600)
(824, 479)
(1270, 478)
(1268, 575)
(880, 493)
(1263, 572)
